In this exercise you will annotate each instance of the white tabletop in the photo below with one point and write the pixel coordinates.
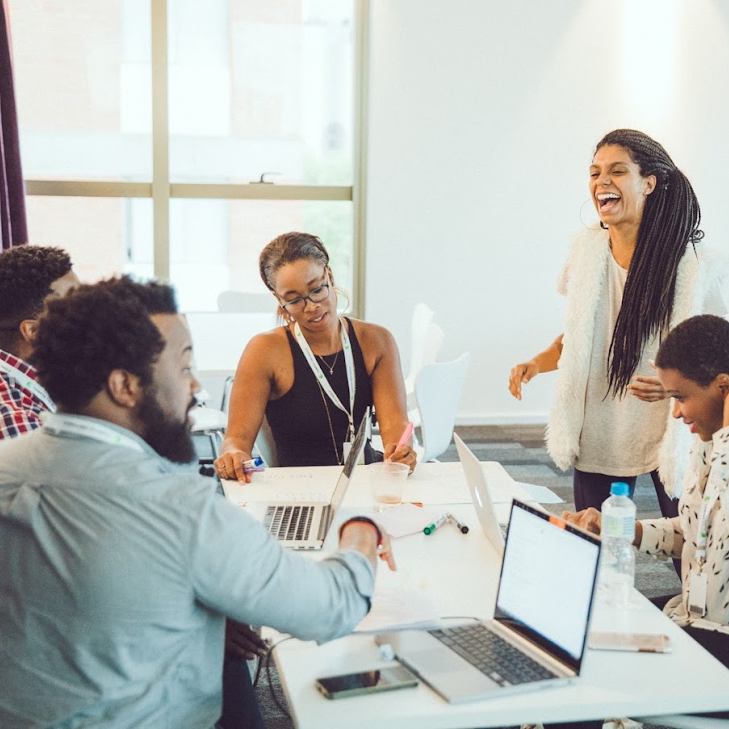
(459, 574)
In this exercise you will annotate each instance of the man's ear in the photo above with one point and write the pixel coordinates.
(28, 329)
(124, 388)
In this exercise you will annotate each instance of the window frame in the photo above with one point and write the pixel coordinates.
(161, 190)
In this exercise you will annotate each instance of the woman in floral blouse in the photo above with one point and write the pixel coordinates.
(693, 367)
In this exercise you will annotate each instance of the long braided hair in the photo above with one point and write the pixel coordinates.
(670, 222)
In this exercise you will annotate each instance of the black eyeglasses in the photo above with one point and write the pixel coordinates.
(316, 296)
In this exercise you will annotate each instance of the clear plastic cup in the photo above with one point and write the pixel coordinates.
(388, 483)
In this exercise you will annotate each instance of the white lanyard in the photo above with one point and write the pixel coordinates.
(58, 424)
(27, 382)
(707, 504)
(322, 380)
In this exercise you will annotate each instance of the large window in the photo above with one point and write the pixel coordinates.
(177, 138)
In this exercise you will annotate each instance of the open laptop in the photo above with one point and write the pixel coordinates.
(305, 524)
(538, 635)
(479, 490)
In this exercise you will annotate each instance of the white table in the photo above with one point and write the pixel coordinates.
(459, 574)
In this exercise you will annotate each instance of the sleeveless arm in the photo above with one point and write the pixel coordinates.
(388, 386)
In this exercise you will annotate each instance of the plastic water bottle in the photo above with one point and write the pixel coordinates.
(618, 554)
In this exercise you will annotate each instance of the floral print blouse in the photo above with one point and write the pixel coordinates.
(708, 473)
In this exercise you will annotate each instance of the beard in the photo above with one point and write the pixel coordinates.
(170, 440)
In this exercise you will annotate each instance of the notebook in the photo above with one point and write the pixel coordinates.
(305, 524)
(479, 490)
(538, 635)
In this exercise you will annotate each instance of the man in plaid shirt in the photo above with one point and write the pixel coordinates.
(28, 276)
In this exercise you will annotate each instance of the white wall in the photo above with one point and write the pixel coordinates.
(483, 117)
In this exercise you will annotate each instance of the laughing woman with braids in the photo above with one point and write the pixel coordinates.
(626, 284)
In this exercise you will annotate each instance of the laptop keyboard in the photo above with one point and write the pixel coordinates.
(289, 523)
(492, 655)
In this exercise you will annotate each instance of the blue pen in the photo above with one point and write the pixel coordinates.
(253, 465)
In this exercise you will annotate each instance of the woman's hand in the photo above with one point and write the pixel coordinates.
(405, 454)
(647, 389)
(229, 466)
(588, 519)
(520, 374)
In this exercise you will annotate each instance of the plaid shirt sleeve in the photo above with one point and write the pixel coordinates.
(19, 413)
(15, 421)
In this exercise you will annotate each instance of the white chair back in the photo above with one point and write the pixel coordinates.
(424, 343)
(438, 389)
(246, 302)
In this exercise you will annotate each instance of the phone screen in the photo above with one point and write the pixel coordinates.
(351, 684)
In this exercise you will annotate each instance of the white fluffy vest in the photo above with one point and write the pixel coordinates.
(587, 275)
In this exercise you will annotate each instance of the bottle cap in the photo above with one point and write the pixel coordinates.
(619, 488)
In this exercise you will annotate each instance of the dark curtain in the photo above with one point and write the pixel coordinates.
(13, 227)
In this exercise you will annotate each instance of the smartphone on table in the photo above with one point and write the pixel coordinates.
(366, 682)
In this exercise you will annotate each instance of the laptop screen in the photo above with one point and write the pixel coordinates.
(547, 582)
(350, 463)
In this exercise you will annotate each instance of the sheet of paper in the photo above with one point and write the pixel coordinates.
(404, 519)
(396, 607)
(540, 493)
(445, 483)
(440, 483)
(285, 484)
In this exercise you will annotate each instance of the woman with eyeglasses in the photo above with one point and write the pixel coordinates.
(627, 283)
(313, 377)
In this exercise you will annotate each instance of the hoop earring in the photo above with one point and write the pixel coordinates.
(341, 292)
(589, 226)
(603, 226)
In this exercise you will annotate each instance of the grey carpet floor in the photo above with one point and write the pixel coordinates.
(520, 449)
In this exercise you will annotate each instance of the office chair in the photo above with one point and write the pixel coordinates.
(438, 389)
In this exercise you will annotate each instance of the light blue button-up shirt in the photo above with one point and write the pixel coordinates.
(116, 569)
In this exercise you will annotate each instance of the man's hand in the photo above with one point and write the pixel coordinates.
(241, 640)
(588, 519)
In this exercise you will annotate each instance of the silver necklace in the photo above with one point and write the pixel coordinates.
(331, 428)
(327, 365)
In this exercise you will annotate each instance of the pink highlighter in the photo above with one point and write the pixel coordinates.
(405, 436)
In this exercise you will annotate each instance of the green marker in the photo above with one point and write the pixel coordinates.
(432, 527)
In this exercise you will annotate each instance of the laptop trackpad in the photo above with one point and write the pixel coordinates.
(450, 675)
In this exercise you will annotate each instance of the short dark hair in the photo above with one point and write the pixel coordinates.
(96, 329)
(698, 348)
(26, 275)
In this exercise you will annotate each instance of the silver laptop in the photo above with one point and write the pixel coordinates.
(477, 486)
(538, 635)
(305, 524)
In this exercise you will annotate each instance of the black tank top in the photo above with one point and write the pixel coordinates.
(299, 421)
